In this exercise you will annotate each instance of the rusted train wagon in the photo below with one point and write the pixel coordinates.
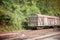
(41, 21)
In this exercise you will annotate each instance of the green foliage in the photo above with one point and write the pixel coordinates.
(14, 13)
(5, 20)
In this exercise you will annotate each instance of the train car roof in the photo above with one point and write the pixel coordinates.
(40, 15)
(47, 16)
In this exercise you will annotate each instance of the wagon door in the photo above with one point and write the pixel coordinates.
(57, 22)
(45, 21)
(40, 21)
(51, 21)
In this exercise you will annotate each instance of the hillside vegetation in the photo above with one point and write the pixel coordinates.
(14, 13)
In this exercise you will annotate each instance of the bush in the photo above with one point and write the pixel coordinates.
(5, 20)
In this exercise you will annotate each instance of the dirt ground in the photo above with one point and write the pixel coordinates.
(26, 34)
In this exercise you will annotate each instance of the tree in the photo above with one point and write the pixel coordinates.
(17, 11)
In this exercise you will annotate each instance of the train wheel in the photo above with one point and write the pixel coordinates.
(39, 28)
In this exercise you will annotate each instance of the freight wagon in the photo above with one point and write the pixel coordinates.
(41, 21)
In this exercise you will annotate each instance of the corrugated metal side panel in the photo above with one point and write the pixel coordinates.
(33, 21)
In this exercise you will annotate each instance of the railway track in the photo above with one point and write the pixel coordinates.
(42, 37)
(29, 34)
